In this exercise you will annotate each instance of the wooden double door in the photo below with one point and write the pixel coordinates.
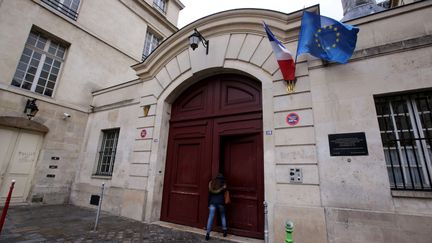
(216, 127)
(19, 151)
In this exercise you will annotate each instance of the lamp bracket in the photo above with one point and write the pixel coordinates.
(203, 40)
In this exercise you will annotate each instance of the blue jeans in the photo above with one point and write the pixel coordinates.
(212, 211)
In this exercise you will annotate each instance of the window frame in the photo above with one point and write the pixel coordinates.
(406, 137)
(103, 151)
(50, 43)
(150, 43)
(157, 5)
(67, 11)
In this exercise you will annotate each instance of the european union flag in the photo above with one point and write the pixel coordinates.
(326, 38)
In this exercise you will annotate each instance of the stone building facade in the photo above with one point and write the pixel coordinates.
(58, 52)
(339, 198)
(190, 115)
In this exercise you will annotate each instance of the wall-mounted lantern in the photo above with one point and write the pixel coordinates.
(195, 38)
(146, 109)
(31, 108)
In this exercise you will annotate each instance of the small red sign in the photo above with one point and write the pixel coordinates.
(143, 133)
(292, 119)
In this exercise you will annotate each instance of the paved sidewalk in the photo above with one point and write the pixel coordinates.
(67, 223)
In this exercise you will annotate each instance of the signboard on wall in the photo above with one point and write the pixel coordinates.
(292, 119)
(143, 133)
(348, 144)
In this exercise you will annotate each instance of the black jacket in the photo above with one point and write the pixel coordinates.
(216, 197)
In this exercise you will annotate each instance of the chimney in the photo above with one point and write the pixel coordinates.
(353, 9)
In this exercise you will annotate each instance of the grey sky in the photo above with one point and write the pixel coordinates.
(196, 9)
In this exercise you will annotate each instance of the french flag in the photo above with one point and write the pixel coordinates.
(283, 56)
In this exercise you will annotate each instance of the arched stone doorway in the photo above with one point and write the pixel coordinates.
(216, 126)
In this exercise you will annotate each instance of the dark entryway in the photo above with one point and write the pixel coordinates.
(216, 126)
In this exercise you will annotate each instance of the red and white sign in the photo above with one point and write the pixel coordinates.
(292, 119)
(143, 133)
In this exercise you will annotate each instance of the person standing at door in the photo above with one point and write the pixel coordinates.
(217, 187)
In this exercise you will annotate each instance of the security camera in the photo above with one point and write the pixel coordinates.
(66, 115)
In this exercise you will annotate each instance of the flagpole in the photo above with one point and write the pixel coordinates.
(298, 41)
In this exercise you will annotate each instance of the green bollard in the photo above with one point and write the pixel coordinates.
(289, 227)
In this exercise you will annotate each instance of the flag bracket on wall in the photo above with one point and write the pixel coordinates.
(290, 85)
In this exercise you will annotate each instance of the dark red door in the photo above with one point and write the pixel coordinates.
(216, 126)
(242, 171)
(187, 173)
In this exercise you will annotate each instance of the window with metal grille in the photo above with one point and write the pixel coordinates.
(107, 152)
(39, 66)
(160, 5)
(405, 123)
(66, 7)
(151, 42)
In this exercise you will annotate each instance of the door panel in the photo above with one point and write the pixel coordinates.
(195, 103)
(187, 169)
(8, 139)
(185, 184)
(219, 95)
(243, 172)
(237, 95)
(21, 165)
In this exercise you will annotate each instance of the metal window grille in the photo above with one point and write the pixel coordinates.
(151, 42)
(405, 123)
(39, 65)
(66, 7)
(160, 5)
(107, 152)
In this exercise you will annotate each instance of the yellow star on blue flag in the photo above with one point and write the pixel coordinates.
(326, 38)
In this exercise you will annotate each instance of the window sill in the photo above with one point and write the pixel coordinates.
(412, 194)
(51, 100)
(101, 177)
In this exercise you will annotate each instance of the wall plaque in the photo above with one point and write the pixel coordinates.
(348, 144)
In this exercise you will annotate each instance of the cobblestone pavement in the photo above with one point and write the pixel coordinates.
(66, 223)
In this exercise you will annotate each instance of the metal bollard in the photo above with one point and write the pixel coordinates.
(266, 231)
(289, 227)
(6, 206)
(99, 207)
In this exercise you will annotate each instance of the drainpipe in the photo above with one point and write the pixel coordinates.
(266, 230)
